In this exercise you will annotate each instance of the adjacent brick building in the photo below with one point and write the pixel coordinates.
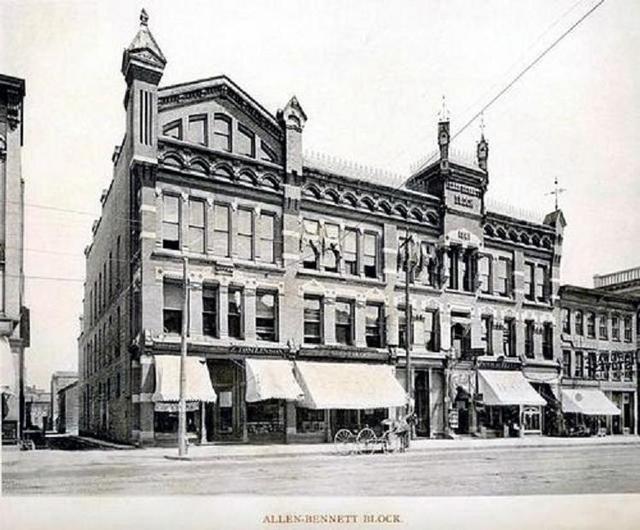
(296, 279)
(59, 380)
(14, 317)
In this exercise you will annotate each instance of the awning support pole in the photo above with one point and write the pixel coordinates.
(182, 406)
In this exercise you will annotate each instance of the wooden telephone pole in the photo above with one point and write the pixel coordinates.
(182, 405)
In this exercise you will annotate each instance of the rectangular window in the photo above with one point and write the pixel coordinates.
(312, 319)
(234, 313)
(374, 325)
(246, 142)
(196, 226)
(370, 255)
(171, 222)
(173, 129)
(222, 132)
(350, 254)
(453, 268)
(402, 327)
(529, 278)
(485, 274)
(344, 322)
(266, 232)
(628, 366)
(245, 233)
(266, 316)
(311, 248)
(542, 283)
(209, 311)
(615, 328)
(198, 129)
(616, 365)
(627, 329)
(332, 235)
(603, 332)
(547, 341)
(579, 365)
(592, 365)
(221, 229)
(468, 277)
(505, 275)
(173, 294)
(566, 321)
(266, 153)
(591, 325)
(566, 363)
(579, 323)
(431, 330)
(509, 337)
(487, 334)
(528, 338)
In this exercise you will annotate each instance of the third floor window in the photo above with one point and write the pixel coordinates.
(171, 222)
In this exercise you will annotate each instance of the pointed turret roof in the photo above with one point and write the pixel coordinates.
(144, 49)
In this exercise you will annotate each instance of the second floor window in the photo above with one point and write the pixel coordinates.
(267, 316)
(592, 365)
(529, 269)
(603, 332)
(196, 226)
(615, 327)
(344, 322)
(209, 311)
(627, 329)
(312, 319)
(234, 313)
(566, 363)
(374, 325)
(509, 337)
(221, 230)
(603, 366)
(487, 334)
(547, 341)
(579, 364)
(432, 330)
(578, 319)
(370, 255)
(171, 222)
(172, 308)
(591, 325)
(245, 234)
(528, 338)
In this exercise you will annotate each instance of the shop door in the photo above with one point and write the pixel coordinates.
(421, 387)
(224, 414)
(627, 413)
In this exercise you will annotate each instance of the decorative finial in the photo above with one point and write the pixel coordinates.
(482, 125)
(444, 113)
(556, 191)
(144, 18)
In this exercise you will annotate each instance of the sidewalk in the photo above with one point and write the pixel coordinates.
(235, 451)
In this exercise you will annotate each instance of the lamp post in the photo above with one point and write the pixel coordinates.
(182, 405)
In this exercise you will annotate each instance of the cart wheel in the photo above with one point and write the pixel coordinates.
(366, 441)
(344, 442)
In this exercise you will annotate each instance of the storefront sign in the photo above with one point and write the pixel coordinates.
(502, 364)
(258, 350)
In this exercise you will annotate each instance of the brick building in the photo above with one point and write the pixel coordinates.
(68, 409)
(37, 407)
(599, 348)
(296, 281)
(14, 317)
(59, 380)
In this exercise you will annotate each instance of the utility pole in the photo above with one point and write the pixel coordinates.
(407, 319)
(182, 405)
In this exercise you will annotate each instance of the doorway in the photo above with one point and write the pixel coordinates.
(421, 387)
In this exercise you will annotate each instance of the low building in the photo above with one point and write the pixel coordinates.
(599, 360)
(59, 380)
(14, 317)
(68, 409)
(37, 408)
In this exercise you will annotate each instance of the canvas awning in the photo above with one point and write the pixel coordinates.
(199, 387)
(271, 379)
(8, 368)
(507, 387)
(349, 386)
(588, 401)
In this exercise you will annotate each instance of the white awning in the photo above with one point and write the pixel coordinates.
(8, 368)
(349, 386)
(199, 387)
(591, 402)
(271, 379)
(507, 387)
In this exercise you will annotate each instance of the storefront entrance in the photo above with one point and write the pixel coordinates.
(422, 406)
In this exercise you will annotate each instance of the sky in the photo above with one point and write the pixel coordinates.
(370, 75)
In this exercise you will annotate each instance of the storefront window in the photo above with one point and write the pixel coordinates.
(167, 422)
(309, 420)
(531, 418)
(266, 316)
(265, 417)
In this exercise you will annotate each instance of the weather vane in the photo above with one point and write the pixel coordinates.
(444, 113)
(482, 125)
(556, 191)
